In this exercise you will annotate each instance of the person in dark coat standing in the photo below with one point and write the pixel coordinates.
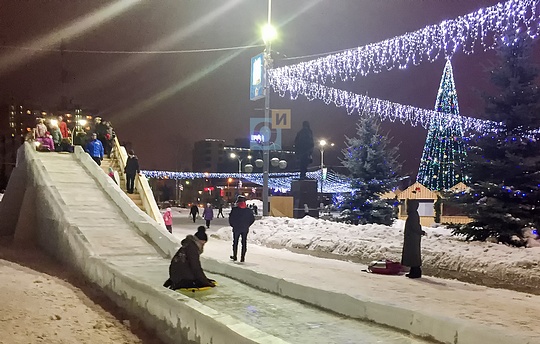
(131, 170)
(185, 270)
(194, 211)
(303, 145)
(411, 254)
(240, 219)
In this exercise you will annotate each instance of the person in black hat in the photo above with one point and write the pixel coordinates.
(185, 270)
(240, 219)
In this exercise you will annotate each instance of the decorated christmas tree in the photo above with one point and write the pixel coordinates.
(373, 168)
(504, 165)
(444, 151)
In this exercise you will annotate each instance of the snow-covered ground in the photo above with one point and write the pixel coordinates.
(443, 254)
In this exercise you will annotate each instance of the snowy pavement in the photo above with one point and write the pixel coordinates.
(505, 310)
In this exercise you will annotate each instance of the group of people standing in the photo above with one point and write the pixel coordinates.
(52, 135)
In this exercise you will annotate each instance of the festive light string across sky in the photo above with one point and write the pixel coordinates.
(385, 109)
(482, 27)
(278, 181)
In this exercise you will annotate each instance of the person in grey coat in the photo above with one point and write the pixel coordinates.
(411, 254)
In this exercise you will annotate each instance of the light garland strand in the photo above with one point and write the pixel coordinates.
(280, 182)
(386, 110)
(428, 44)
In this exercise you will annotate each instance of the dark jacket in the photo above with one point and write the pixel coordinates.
(411, 254)
(132, 165)
(186, 264)
(194, 210)
(240, 219)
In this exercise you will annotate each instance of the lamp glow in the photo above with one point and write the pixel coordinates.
(269, 33)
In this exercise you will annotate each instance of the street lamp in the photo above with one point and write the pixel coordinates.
(322, 144)
(268, 34)
(236, 156)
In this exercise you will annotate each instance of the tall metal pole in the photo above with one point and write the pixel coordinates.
(266, 153)
(322, 167)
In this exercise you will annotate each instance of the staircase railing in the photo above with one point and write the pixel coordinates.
(119, 154)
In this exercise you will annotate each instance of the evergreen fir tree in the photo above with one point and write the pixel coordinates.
(444, 150)
(504, 165)
(373, 168)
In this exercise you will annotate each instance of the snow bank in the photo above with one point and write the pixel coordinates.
(444, 255)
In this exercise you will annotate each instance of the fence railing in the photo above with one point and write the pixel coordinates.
(119, 154)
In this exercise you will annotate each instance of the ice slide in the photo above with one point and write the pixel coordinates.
(79, 215)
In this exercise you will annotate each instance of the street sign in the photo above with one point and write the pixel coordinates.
(281, 118)
(256, 84)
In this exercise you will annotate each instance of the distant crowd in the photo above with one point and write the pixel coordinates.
(53, 134)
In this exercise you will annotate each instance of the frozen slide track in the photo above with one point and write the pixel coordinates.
(83, 218)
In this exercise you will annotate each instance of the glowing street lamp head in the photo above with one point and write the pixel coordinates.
(322, 143)
(269, 33)
(232, 155)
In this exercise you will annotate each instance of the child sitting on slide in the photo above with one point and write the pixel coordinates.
(185, 270)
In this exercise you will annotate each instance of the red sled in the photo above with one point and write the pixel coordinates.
(384, 267)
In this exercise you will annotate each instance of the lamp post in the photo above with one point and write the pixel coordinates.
(322, 144)
(268, 34)
(240, 159)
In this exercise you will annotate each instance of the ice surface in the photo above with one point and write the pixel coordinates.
(293, 321)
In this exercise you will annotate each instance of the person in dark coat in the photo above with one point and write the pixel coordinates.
(194, 211)
(303, 145)
(411, 254)
(220, 210)
(131, 170)
(185, 270)
(240, 219)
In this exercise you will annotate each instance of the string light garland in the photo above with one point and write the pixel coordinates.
(385, 109)
(464, 33)
(444, 149)
(280, 182)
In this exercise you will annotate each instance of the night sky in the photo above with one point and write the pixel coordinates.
(162, 103)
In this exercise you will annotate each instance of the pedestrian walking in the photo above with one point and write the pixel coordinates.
(194, 212)
(131, 170)
(167, 218)
(95, 149)
(240, 219)
(208, 214)
(412, 237)
(220, 210)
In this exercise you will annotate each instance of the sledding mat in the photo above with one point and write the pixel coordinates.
(193, 290)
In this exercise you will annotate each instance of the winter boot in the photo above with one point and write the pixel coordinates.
(233, 258)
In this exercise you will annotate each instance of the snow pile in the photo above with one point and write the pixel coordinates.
(443, 254)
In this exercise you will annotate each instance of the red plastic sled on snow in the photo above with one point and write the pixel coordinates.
(384, 267)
